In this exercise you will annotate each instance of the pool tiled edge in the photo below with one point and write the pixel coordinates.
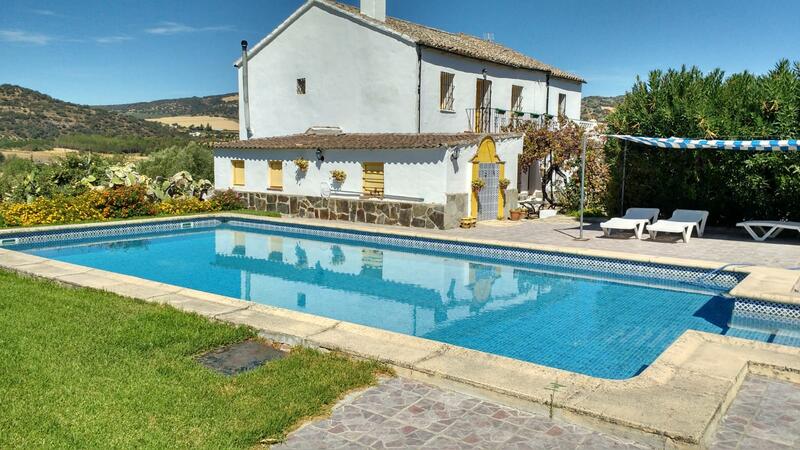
(675, 402)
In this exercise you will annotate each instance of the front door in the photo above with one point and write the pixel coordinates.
(489, 195)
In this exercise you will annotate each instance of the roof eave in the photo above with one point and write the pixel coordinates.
(323, 5)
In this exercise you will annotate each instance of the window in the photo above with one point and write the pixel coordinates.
(446, 91)
(562, 104)
(238, 172)
(373, 179)
(301, 86)
(516, 98)
(276, 174)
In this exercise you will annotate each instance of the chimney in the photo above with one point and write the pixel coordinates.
(374, 8)
(245, 93)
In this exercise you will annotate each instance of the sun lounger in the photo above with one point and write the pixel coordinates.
(682, 221)
(767, 228)
(634, 219)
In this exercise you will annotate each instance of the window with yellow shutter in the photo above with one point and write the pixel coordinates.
(373, 179)
(276, 174)
(238, 172)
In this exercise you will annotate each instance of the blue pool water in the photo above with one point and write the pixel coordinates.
(606, 328)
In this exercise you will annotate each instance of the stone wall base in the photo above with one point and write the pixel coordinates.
(383, 212)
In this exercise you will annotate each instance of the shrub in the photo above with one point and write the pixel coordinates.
(50, 211)
(186, 205)
(193, 158)
(227, 200)
(123, 201)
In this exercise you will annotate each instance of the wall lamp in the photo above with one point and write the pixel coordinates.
(320, 156)
(455, 153)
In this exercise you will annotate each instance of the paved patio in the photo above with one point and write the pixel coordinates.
(764, 415)
(718, 244)
(401, 413)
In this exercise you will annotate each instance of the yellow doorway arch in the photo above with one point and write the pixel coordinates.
(487, 153)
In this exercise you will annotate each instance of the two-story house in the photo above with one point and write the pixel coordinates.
(397, 122)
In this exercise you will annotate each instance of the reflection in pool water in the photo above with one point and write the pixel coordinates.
(600, 328)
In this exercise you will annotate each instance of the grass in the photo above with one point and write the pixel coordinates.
(88, 369)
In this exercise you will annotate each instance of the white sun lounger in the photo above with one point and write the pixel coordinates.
(682, 221)
(767, 228)
(634, 219)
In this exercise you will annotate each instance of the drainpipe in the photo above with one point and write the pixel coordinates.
(419, 89)
(245, 93)
(547, 96)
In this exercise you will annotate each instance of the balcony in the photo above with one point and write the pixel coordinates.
(494, 120)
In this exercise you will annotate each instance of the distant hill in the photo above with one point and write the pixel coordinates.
(28, 114)
(595, 107)
(224, 105)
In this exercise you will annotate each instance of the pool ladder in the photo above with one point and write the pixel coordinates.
(704, 280)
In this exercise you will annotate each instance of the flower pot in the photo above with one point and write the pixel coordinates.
(515, 215)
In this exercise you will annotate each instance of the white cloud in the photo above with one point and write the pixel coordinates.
(168, 28)
(112, 39)
(24, 37)
(44, 12)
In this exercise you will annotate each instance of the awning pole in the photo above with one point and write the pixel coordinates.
(583, 178)
(624, 164)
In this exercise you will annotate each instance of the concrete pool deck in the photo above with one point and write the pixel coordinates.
(676, 402)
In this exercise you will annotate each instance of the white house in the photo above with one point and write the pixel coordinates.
(407, 104)
(331, 64)
(410, 179)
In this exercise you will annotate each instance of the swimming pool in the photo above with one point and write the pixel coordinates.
(604, 318)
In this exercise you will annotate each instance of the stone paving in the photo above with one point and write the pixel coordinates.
(764, 415)
(400, 413)
(726, 245)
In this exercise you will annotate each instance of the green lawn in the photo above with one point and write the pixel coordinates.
(86, 369)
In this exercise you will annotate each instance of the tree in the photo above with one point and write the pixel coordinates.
(732, 186)
(558, 142)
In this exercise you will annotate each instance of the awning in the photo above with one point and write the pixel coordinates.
(713, 144)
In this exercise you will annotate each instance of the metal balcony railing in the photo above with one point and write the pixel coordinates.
(494, 120)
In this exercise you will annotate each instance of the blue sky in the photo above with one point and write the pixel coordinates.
(100, 51)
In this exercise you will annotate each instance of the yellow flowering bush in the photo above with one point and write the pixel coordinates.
(51, 210)
(184, 205)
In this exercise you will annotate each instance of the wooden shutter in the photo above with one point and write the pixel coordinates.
(446, 91)
(516, 98)
(276, 174)
(373, 179)
(238, 172)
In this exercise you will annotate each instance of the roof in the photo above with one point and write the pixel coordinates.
(461, 44)
(362, 141)
(456, 43)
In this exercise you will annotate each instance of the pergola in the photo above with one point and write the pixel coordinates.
(768, 145)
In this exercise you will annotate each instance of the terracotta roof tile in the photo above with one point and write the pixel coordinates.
(461, 44)
(361, 141)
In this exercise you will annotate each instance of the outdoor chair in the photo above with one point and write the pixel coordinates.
(634, 219)
(767, 228)
(682, 221)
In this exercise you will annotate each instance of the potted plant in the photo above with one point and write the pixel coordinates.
(515, 213)
(477, 185)
(504, 183)
(301, 164)
(338, 175)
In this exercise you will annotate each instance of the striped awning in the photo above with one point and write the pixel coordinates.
(713, 144)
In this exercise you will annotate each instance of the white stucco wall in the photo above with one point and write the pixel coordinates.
(409, 175)
(357, 78)
(467, 71)
(573, 91)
